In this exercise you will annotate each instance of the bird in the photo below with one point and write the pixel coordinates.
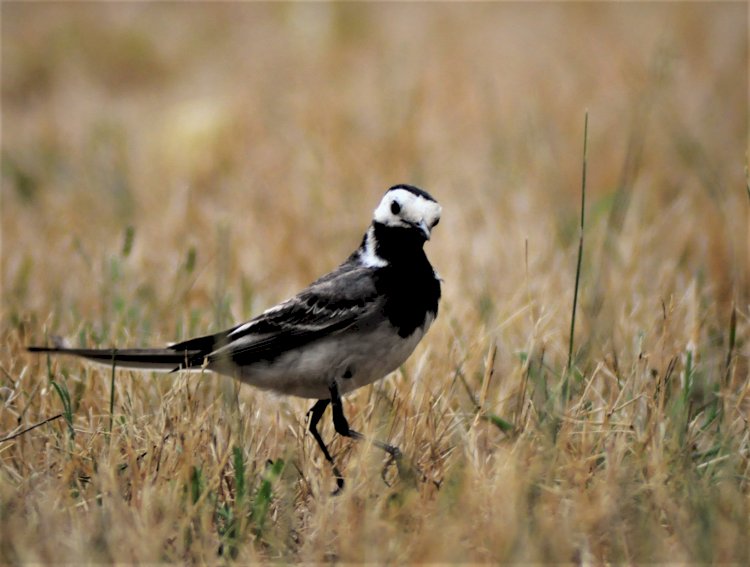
(348, 329)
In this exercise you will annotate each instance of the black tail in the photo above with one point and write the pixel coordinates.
(162, 359)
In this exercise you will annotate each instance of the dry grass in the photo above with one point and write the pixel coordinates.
(169, 169)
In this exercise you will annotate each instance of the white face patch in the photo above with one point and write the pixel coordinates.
(403, 208)
(368, 256)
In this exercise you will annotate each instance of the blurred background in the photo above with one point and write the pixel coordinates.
(262, 135)
(169, 169)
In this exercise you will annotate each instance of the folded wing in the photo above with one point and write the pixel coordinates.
(329, 306)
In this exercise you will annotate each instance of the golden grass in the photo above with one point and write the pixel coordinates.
(245, 146)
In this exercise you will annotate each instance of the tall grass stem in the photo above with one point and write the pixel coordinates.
(112, 395)
(580, 253)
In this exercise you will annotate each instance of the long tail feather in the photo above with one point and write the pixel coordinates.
(160, 359)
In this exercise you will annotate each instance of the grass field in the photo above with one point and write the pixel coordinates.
(168, 170)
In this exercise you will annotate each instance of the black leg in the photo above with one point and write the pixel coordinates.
(314, 414)
(342, 425)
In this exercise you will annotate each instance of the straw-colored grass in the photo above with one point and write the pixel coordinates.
(170, 169)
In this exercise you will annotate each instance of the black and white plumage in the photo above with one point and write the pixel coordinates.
(349, 328)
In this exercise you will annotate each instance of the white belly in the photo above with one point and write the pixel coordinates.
(354, 359)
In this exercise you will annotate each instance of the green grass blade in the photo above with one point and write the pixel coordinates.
(62, 391)
(262, 501)
(127, 242)
(240, 482)
(500, 423)
(196, 484)
(732, 341)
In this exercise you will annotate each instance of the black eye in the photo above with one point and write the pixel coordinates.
(435, 223)
(395, 207)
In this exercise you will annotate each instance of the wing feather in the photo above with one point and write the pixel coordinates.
(328, 306)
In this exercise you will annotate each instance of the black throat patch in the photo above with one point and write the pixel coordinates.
(408, 282)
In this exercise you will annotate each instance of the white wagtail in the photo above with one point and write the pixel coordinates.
(348, 329)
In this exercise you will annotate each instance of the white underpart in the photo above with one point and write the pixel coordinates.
(369, 353)
(414, 210)
(368, 256)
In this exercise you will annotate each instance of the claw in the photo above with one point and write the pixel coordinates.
(394, 458)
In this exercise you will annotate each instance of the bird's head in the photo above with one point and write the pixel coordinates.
(408, 207)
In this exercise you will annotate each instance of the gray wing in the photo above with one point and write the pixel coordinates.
(331, 305)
